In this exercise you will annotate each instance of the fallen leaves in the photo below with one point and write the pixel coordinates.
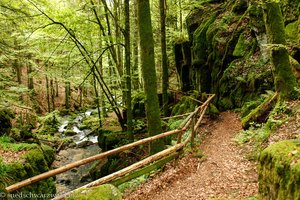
(224, 174)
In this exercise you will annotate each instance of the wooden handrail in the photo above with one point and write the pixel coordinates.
(182, 128)
(126, 170)
(85, 161)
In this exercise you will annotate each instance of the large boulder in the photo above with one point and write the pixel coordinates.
(279, 171)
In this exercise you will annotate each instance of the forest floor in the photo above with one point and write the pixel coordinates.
(223, 171)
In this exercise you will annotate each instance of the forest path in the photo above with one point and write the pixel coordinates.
(224, 173)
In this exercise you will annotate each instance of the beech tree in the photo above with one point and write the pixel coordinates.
(149, 73)
(284, 78)
(164, 58)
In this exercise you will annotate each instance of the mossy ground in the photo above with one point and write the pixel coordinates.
(102, 192)
(34, 161)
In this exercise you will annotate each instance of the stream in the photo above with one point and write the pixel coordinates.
(84, 145)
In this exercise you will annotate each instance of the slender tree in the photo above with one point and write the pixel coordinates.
(128, 70)
(149, 73)
(164, 58)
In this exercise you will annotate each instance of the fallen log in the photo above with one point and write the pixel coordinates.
(259, 111)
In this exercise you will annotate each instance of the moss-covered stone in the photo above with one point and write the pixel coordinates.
(69, 132)
(102, 192)
(244, 81)
(279, 171)
(35, 161)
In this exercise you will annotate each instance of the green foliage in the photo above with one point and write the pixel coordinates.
(49, 123)
(186, 104)
(138, 105)
(8, 143)
(292, 31)
(139, 126)
(174, 123)
(132, 184)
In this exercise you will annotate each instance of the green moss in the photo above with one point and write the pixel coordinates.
(34, 162)
(102, 192)
(292, 31)
(199, 42)
(49, 123)
(186, 104)
(279, 171)
(245, 45)
(69, 132)
(7, 143)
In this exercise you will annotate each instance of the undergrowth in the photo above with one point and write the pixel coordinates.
(7, 143)
(258, 133)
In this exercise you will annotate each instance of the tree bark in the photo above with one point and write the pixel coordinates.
(48, 94)
(52, 94)
(149, 74)
(67, 94)
(165, 75)
(29, 76)
(128, 70)
(284, 78)
(135, 71)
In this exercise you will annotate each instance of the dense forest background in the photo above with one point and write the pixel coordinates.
(119, 68)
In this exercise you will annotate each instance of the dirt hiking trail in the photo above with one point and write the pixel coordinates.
(223, 172)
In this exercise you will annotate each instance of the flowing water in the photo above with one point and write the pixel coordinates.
(85, 145)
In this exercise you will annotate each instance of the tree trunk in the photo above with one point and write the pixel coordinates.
(149, 74)
(52, 94)
(128, 70)
(18, 71)
(29, 75)
(30, 79)
(56, 87)
(165, 75)
(67, 94)
(180, 16)
(284, 78)
(97, 100)
(48, 94)
(135, 46)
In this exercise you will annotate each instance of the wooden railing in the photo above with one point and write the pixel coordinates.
(189, 122)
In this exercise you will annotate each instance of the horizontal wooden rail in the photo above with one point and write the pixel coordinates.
(126, 170)
(182, 128)
(67, 167)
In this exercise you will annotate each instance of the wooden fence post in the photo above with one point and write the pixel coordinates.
(193, 130)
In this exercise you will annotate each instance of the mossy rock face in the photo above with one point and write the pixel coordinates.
(243, 81)
(102, 192)
(32, 163)
(279, 171)
(230, 55)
